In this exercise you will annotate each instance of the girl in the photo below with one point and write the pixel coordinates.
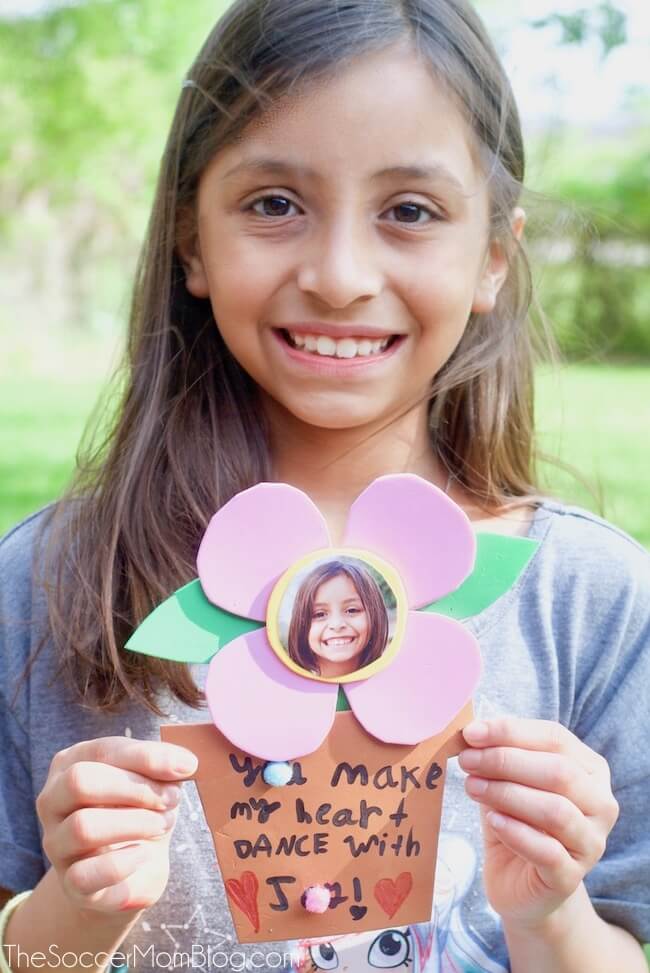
(332, 288)
(339, 621)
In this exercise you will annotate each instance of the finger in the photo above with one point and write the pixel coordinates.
(87, 784)
(557, 870)
(139, 891)
(89, 875)
(552, 772)
(151, 758)
(541, 850)
(543, 735)
(90, 828)
(553, 814)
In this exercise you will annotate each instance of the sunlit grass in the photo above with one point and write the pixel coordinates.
(596, 419)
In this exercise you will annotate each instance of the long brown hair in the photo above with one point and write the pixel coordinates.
(189, 432)
(303, 611)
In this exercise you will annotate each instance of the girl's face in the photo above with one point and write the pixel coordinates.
(339, 624)
(343, 243)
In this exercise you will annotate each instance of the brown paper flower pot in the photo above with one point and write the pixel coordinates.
(358, 815)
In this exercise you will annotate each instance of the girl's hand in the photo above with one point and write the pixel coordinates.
(108, 808)
(546, 807)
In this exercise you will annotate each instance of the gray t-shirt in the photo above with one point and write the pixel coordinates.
(569, 642)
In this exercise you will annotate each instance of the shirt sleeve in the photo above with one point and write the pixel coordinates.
(611, 715)
(21, 861)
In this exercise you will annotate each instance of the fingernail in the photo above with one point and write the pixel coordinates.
(135, 905)
(476, 731)
(186, 764)
(476, 785)
(496, 820)
(171, 796)
(169, 817)
(470, 759)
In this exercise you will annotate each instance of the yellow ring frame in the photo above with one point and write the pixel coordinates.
(387, 571)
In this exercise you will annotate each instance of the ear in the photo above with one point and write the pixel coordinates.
(495, 268)
(189, 251)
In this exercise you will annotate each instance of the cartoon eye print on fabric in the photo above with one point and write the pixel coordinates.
(324, 957)
(389, 950)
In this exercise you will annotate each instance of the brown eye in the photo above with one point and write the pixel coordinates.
(272, 205)
(410, 211)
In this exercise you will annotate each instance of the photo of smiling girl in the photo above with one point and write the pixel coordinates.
(339, 622)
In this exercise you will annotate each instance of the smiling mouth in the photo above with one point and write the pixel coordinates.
(342, 640)
(323, 346)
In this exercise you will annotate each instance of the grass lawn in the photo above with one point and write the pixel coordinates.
(594, 417)
(47, 392)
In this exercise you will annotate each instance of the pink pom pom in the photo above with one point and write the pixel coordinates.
(316, 898)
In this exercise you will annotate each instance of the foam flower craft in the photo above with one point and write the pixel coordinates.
(257, 551)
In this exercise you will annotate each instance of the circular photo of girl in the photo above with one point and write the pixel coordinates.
(337, 617)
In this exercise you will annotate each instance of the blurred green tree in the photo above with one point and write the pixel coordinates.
(605, 21)
(599, 298)
(86, 95)
(87, 91)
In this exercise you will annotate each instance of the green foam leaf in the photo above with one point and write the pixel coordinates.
(342, 704)
(500, 561)
(186, 627)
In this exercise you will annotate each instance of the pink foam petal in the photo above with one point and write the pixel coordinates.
(252, 541)
(263, 707)
(416, 527)
(434, 674)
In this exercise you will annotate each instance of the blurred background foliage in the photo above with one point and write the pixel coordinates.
(87, 90)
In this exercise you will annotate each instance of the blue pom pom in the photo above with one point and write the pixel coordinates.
(277, 774)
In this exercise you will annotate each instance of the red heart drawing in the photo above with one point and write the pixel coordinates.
(244, 894)
(391, 894)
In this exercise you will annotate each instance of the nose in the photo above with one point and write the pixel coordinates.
(339, 266)
(337, 622)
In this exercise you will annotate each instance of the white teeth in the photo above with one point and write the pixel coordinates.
(326, 346)
(346, 348)
(343, 348)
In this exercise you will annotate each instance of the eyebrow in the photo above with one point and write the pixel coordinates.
(346, 601)
(435, 172)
